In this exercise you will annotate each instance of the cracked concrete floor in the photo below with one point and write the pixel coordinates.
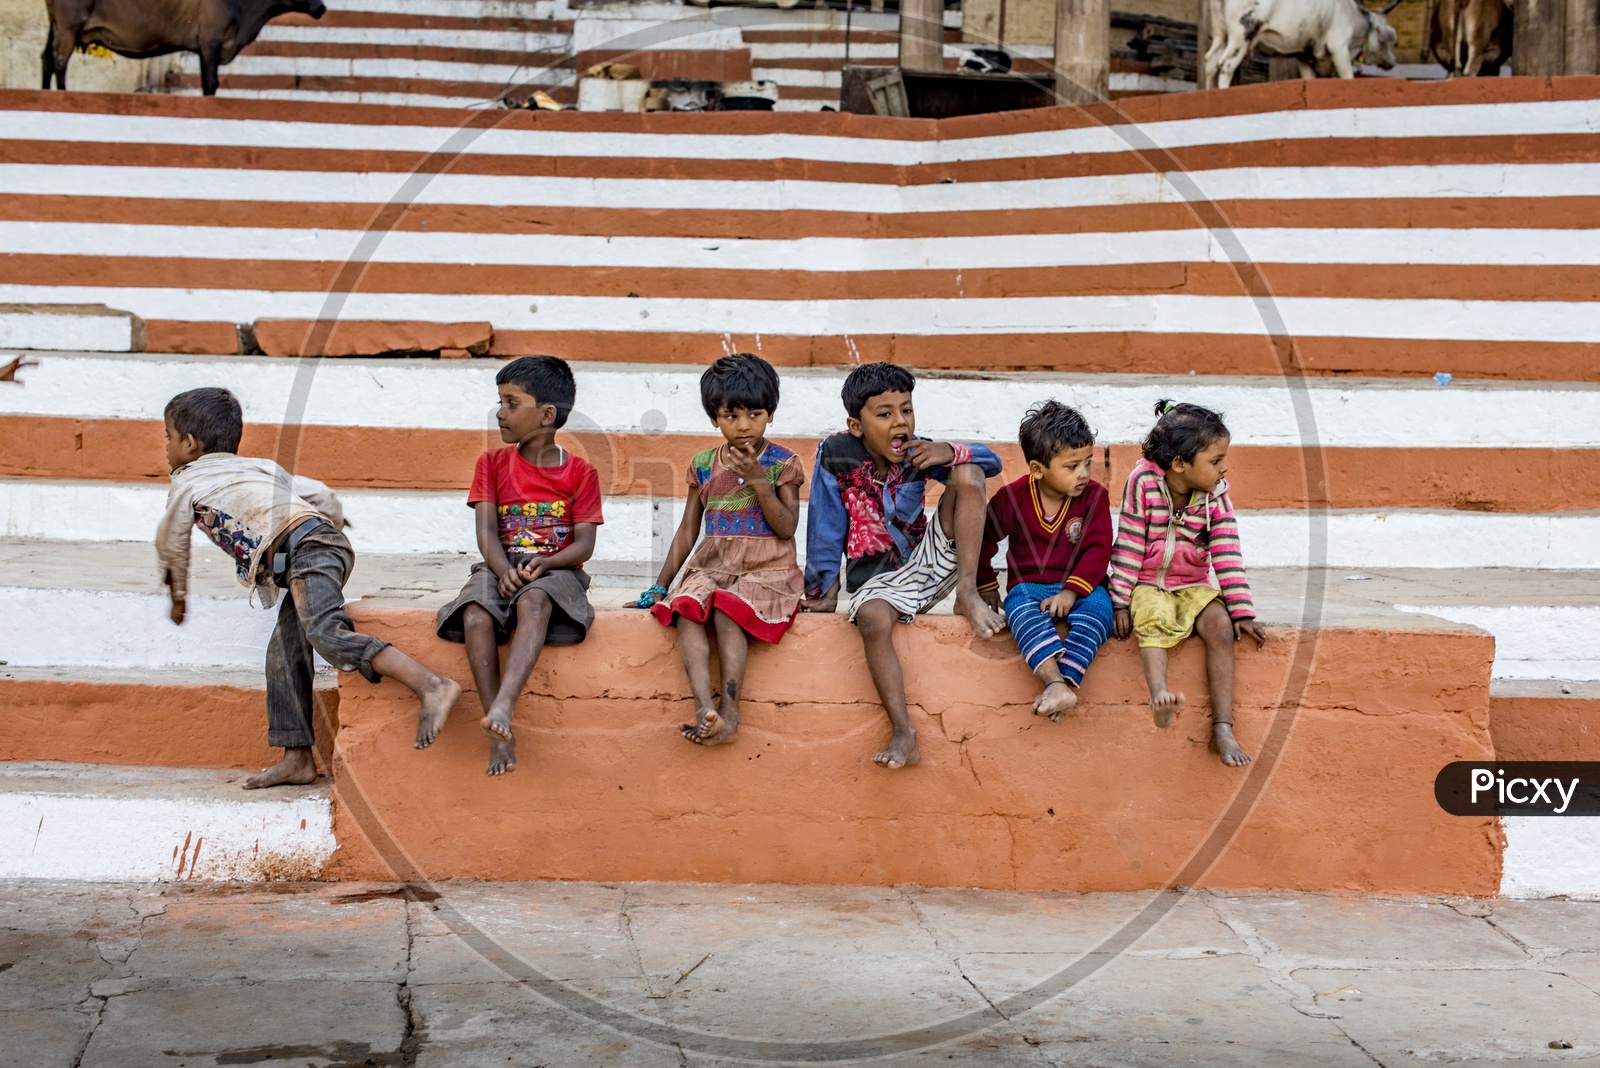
(346, 975)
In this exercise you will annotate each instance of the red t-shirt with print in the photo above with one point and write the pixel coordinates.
(537, 506)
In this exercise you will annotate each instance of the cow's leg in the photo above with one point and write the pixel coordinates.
(210, 66)
(58, 50)
(1339, 52)
(1233, 55)
(1308, 72)
(47, 61)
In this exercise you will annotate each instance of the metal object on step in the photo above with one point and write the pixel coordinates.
(749, 96)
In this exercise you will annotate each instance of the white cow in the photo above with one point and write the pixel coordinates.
(1314, 32)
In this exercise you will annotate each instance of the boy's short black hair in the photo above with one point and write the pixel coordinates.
(871, 379)
(1050, 428)
(1181, 431)
(211, 414)
(739, 381)
(547, 379)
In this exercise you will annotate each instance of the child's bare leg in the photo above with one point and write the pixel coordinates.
(694, 649)
(961, 511)
(722, 724)
(1164, 704)
(876, 621)
(436, 694)
(1215, 628)
(483, 653)
(1058, 696)
(527, 642)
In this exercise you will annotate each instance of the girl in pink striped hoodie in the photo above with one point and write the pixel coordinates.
(1176, 528)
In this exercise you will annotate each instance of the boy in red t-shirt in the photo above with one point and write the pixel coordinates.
(537, 509)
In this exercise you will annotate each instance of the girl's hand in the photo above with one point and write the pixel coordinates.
(746, 463)
(1121, 623)
(649, 597)
(925, 454)
(991, 597)
(829, 603)
(1249, 628)
(510, 582)
(1059, 605)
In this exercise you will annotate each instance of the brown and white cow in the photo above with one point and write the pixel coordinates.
(1469, 37)
(215, 30)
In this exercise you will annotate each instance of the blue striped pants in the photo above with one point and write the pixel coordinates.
(1035, 632)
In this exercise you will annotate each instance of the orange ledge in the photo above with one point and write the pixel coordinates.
(607, 790)
(1545, 727)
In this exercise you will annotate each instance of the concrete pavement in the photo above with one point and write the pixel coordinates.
(106, 976)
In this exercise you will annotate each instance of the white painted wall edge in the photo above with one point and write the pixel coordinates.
(1551, 856)
(70, 331)
(144, 839)
(1532, 642)
(460, 395)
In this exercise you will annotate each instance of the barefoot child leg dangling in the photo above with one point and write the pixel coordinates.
(284, 534)
(538, 510)
(1177, 527)
(743, 581)
(1056, 522)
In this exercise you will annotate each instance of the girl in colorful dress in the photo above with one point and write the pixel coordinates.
(1176, 528)
(743, 581)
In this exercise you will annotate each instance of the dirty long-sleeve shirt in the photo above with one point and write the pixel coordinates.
(870, 523)
(243, 504)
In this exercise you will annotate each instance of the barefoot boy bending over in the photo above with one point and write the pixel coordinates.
(537, 507)
(867, 508)
(1056, 522)
(283, 534)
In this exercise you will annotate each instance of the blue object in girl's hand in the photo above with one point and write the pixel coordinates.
(651, 596)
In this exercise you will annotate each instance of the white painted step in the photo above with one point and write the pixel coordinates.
(539, 68)
(492, 40)
(69, 327)
(629, 398)
(1532, 641)
(104, 823)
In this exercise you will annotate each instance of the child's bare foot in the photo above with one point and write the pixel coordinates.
(902, 751)
(297, 768)
(711, 727)
(497, 724)
(437, 701)
(1163, 706)
(502, 755)
(1056, 698)
(986, 622)
(1225, 745)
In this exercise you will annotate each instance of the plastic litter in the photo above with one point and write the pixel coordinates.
(1442, 378)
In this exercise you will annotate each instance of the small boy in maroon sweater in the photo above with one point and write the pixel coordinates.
(1057, 525)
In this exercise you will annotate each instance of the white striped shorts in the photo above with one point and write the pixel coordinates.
(925, 579)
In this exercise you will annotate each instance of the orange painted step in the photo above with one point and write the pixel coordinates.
(606, 789)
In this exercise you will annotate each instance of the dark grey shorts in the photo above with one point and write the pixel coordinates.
(567, 588)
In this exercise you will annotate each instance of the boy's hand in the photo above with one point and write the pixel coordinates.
(510, 582)
(530, 572)
(179, 610)
(991, 597)
(925, 454)
(746, 463)
(829, 603)
(1059, 605)
(1121, 623)
(1249, 628)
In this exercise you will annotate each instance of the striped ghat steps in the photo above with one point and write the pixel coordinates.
(447, 53)
(1392, 229)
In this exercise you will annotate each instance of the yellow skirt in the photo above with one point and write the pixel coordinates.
(1163, 618)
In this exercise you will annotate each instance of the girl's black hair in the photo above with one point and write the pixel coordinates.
(211, 414)
(1050, 428)
(1181, 431)
(871, 379)
(547, 379)
(739, 381)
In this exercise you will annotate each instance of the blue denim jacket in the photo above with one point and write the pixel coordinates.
(889, 522)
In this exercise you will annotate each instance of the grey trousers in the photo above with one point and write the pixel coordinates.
(312, 616)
